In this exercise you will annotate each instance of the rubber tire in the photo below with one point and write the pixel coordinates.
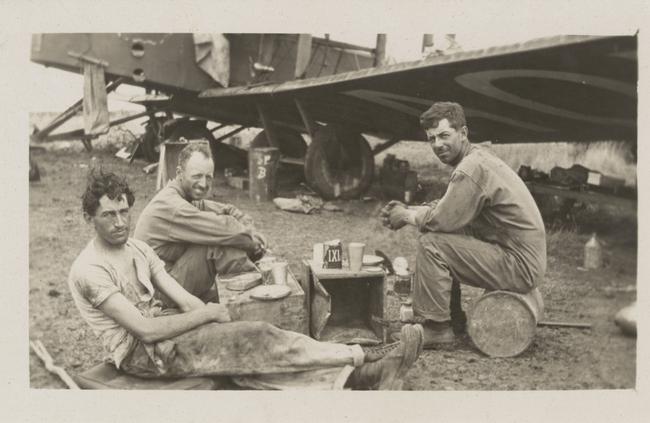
(291, 142)
(339, 155)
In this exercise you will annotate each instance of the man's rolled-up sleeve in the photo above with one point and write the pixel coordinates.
(190, 225)
(461, 203)
(94, 283)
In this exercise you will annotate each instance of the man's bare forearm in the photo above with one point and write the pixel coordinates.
(170, 287)
(413, 212)
(154, 329)
(164, 327)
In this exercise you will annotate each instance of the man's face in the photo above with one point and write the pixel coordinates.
(446, 141)
(196, 178)
(112, 220)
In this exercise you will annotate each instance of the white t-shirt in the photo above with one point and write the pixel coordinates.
(93, 279)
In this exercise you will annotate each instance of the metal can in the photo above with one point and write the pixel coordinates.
(407, 196)
(402, 285)
(406, 314)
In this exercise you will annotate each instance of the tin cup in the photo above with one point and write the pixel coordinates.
(279, 272)
(317, 255)
(265, 264)
(355, 255)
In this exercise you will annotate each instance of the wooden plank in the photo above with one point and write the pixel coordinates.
(305, 284)
(293, 161)
(376, 308)
(345, 273)
(576, 325)
(321, 308)
(346, 306)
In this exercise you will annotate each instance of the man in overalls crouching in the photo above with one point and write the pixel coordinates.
(486, 231)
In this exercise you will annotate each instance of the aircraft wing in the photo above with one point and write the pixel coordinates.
(565, 88)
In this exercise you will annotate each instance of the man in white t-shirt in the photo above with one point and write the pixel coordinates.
(113, 282)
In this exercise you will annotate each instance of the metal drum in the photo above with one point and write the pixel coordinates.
(503, 323)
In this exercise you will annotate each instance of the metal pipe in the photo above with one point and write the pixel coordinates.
(427, 42)
(577, 325)
(216, 128)
(310, 125)
(384, 146)
(380, 50)
(78, 133)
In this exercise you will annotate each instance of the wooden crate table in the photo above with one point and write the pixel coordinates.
(342, 304)
(288, 313)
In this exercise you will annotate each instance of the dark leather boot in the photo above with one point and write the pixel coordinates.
(372, 354)
(437, 333)
(388, 373)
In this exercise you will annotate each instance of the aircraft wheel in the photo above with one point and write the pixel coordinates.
(339, 163)
(291, 142)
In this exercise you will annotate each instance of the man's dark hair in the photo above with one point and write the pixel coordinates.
(201, 146)
(453, 112)
(102, 183)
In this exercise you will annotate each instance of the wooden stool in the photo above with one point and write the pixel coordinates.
(503, 323)
(106, 376)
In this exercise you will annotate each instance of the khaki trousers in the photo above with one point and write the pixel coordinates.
(446, 257)
(196, 268)
(254, 354)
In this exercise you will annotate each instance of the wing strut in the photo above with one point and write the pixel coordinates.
(310, 124)
(268, 127)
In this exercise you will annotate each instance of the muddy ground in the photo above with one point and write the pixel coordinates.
(560, 358)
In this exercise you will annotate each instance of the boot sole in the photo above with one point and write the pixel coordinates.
(411, 337)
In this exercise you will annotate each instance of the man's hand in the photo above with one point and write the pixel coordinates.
(257, 251)
(260, 239)
(394, 215)
(218, 313)
(388, 207)
(398, 217)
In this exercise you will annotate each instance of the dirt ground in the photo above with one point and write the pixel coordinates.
(560, 358)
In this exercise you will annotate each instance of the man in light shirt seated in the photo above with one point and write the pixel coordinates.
(198, 238)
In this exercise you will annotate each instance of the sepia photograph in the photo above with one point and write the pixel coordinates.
(416, 209)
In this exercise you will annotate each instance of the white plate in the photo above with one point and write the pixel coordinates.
(372, 269)
(370, 260)
(270, 292)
